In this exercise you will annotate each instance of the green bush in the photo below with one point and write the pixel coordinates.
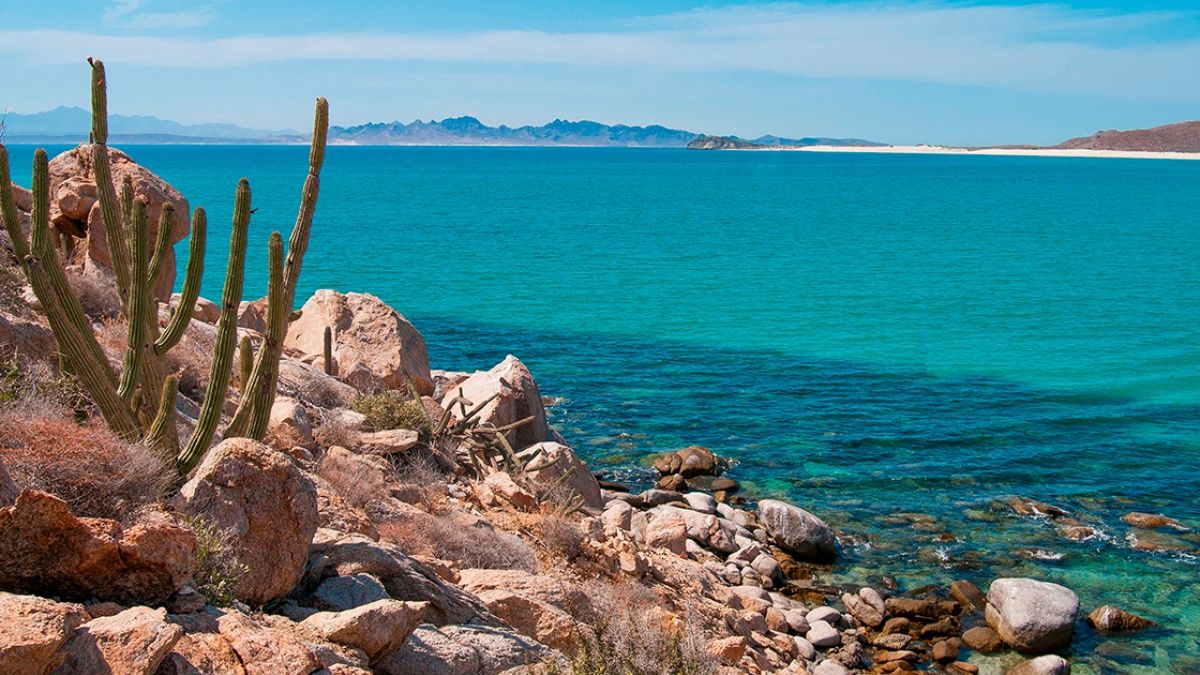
(218, 569)
(393, 410)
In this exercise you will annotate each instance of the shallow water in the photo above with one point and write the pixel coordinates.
(866, 335)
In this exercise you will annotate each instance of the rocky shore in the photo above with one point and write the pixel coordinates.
(404, 519)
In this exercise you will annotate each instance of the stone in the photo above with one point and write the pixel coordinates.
(897, 624)
(768, 569)
(797, 621)
(45, 549)
(75, 210)
(910, 607)
(1152, 521)
(263, 649)
(804, 648)
(534, 618)
(565, 595)
(374, 346)
(265, 504)
(982, 639)
(797, 531)
(336, 594)
(830, 667)
(1109, 619)
(967, 594)
(943, 627)
(376, 628)
(33, 630)
(698, 501)
(728, 650)
(204, 310)
(821, 634)
(661, 497)
(289, 425)
(136, 642)
(668, 463)
(1030, 615)
(617, 514)
(892, 641)
(305, 383)
(946, 650)
(668, 530)
(462, 650)
(867, 606)
(555, 464)
(827, 614)
(1050, 664)
(513, 395)
(696, 460)
(672, 483)
(29, 339)
(501, 490)
(388, 441)
(893, 656)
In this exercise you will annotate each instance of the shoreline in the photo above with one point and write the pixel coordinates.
(994, 152)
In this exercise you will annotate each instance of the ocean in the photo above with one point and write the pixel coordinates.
(898, 343)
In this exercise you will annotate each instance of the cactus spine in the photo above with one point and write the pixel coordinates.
(141, 403)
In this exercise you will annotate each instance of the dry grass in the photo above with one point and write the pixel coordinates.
(420, 479)
(357, 479)
(85, 464)
(98, 298)
(465, 545)
(329, 432)
(562, 538)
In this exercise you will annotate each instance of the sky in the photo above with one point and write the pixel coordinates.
(933, 71)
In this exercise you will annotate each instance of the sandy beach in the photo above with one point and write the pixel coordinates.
(1010, 152)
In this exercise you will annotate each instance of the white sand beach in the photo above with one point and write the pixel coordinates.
(1010, 152)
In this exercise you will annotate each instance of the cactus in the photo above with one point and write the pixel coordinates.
(245, 362)
(328, 352)
(140, 403)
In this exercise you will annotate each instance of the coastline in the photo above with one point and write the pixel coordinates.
(997, 152)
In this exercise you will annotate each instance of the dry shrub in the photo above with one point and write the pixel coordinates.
(467, 546)
(217, 568)
(12, 284)
(562, 537)
(329, 432)
(87, 466)
(394, 410)
(423, 483)
(357, 478)
(632, 636)
(98, 297)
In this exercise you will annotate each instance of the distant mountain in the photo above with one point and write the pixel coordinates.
(470, 131)
(735, 143)
(71, 125)
(1180, 137)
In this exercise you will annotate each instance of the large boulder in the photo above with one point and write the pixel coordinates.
(135, 641)
(33, 630)
(45, 549)
(511, 394)
(374, 346)
(267, 506)
(75, 209)
(264, 649)
(1032, 616)
(376, 628)
(555, 464)
(463, 650)
(797, 531)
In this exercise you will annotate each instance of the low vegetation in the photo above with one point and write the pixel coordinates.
(467, 545)
(393, 410)
(218, 569)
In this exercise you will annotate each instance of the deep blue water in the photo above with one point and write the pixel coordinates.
(864, 334)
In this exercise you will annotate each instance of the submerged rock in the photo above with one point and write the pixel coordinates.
(1152, 521)
(1109, 619)
(1050, 664)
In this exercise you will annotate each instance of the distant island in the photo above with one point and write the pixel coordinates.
(768, 142)
(1179, 137)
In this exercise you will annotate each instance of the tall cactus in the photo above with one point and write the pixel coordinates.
(140, 402)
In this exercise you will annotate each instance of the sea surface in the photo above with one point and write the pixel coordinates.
(867, 335)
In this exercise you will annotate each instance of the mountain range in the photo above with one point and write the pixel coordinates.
(70, 125)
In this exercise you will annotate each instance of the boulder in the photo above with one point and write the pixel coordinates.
(1030, 615)
(29, 339)
(698, 501)
(556, 464)
(696, 460)
(728, 650)
(1050, 664)
(45, 549)
(388, 441)
(204, 310)
(797, 531)
(668, 530)
(618, 515)
(337, 594)
(499, 489)
(567, 596)
(821, 634)
(463, 650)
(967, 594)
(289, 425)
(533, 618)
(33, 630)
(266, 505)
(75, 209)
(136, 642)
(376, 628)
(512, 395)
(1152, 521)
(982, 639)
(374, 346)
(266, 650)
(1109, 619)
(867, 606)
(310, 385)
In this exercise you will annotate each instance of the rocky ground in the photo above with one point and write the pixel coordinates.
(403, 519)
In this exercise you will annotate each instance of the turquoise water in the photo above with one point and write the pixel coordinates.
(864, 334)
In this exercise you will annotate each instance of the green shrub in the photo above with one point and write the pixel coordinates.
(218, 569)
(394, 410)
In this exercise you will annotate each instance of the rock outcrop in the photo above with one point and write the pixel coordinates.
(374, 346)
(45, 549)
(267, 505)
(511, 395)
(135, 641)
(557, 465)
(33, 631)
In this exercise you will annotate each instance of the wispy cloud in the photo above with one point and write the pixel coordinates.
(1038, 47)
(131, 15)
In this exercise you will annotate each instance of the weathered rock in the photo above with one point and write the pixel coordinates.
(336, 594)
(32, 631)
(135, 641)
(74, 208)
(944, 651)
(1109, 619)
(668, 530)
(830, 667)
(728, 650)
(696, 460)
(967, 594)
(376, 628)
(516, 397)
(303, 382)
(462, 650)
(910, 607)
(1031, 616)
(827, 614)
(1050, 664)
(982, 639)
(701, 502)
(617, 514)
(8, 489)
(668, 463)
(266, 650)
(558, 465)
(204, 310)
(374, 346)
(892, 641)
(403, 577)
(567, 596)
(821, 634)
(867, 606)
(289, 425)
(45, 549)
(268, 507)
(797, 531)
(533, 618)
(29, 339)
(388, 441)
(499, 489)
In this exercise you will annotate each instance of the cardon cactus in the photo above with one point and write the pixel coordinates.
(139, 402)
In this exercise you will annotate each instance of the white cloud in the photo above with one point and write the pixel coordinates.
(1039, 47)
(128, 15)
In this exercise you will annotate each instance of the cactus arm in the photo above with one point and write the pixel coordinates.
(162, 244)
(276, 329)
(222, 365)
(266, 361)
(191, 286)
(245, 362)
(8, 210)
(137, 312)
(110, 210)
(160, 436)
(328, 351)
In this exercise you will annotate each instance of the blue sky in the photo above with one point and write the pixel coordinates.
(901, 72)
